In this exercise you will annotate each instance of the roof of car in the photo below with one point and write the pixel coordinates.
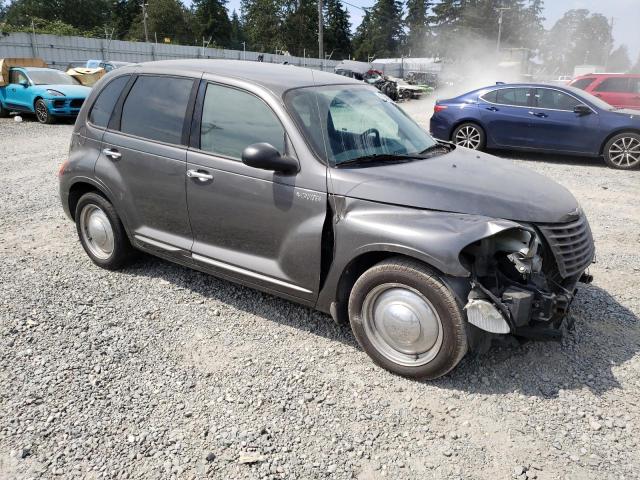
(276, 77)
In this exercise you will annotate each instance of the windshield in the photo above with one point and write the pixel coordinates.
(343, 123)
(50, 77)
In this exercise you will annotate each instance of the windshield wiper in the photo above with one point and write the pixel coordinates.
(435, 148)
(380, 157)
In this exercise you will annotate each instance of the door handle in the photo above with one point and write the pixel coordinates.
(539, 114)
(202, 176)
(492, 109)
(112, 153)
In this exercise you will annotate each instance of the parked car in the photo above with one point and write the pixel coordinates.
(319, 189)
(617, 89)
(541, 118)
(108, 65)
(47, 92)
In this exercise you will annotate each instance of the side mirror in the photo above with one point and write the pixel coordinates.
(581, 109)
(267, 157)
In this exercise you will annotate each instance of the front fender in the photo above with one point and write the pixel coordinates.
(433, 237)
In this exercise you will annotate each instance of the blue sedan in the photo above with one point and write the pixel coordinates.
(46, 92)
(541, 118)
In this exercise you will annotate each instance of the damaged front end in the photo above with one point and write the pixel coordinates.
(520, 282)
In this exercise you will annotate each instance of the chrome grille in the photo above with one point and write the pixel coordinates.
(571, 244)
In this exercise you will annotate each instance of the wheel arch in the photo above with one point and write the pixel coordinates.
(78, 189)
(467, 120)
(617, 132)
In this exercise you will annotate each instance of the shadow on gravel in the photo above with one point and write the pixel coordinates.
(555, 158)
(606, 335)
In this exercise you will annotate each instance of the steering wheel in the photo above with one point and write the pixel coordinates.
(371, 131)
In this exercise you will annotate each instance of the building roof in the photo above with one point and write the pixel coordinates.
(276, 77)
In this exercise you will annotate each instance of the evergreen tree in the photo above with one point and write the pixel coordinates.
(166, 20)
(300, 27)
(337, 30)
(383, 34)
(123, 15)
(362, 45)
(211, 20)
(619, 60)
(237, 32)
(84, 15)
(417, 20)
(262, 21)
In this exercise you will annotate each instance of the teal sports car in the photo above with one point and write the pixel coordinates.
(47, 92)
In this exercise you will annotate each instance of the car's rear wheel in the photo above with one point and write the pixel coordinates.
(42, 112)
(469, 135)
(623, 151)
(407, 320)
(101, 232)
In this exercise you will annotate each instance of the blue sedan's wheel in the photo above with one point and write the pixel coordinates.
(42, 112)
(623, 151)
(469, 135)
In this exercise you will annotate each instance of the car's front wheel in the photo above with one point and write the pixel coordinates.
(469, 135)
(623, 151)
(42, 112)
(101, 232)
(407, 320)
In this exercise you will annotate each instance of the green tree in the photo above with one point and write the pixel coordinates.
(262, 22)
(619, 60)
(418, 24)
(237, 32)
(578, 38)
(383, 33)
(211, 20)
(299, 31)
(123, 16)
(166, 19)
(83, 15)
(362, 44)
(337, 30)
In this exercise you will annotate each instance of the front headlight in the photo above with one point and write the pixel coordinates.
(523, 247)
(55, 93)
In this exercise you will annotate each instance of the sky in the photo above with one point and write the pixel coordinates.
(625, 13)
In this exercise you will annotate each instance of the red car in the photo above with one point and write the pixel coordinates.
(618, 89)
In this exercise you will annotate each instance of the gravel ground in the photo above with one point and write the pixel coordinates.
(161, 372)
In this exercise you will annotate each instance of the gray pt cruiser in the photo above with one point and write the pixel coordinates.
(319, 189)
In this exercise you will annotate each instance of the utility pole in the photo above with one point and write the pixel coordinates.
(501, 9)
(320, 32)
(244, 50)
(144, 21)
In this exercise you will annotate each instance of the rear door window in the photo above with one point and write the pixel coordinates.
(155, 108)
(490, 96)
(513, 96)
(233, 119)
(555, 100)
(107, 98)
(635, 85)
(614, 84)
(15, 76)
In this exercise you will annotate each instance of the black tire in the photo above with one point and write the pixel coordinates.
(42, 112)
(4, 113)
(471, 136)
(399, 273)
(121, 253)
(622, 151)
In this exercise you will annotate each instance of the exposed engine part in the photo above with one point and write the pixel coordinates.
(519, 303)
(586, 278)
(485, 315)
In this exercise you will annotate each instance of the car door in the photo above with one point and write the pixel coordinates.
(259, 227)
(503, 111)
(555, 125)
(143, 161)
(18, 95)
(615, 91)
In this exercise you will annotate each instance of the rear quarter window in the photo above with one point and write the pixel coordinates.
(107, 98)
(155, 108)
(583, 83)
(490, 96)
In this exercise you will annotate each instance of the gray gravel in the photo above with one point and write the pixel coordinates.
(163, 372)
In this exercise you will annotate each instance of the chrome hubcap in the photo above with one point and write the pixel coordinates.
(96, 231)
(468, 137)
(402, 324)
(41, 112)
(625, 152)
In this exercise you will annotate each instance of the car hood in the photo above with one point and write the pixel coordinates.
(462, 181)
(75, 91)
